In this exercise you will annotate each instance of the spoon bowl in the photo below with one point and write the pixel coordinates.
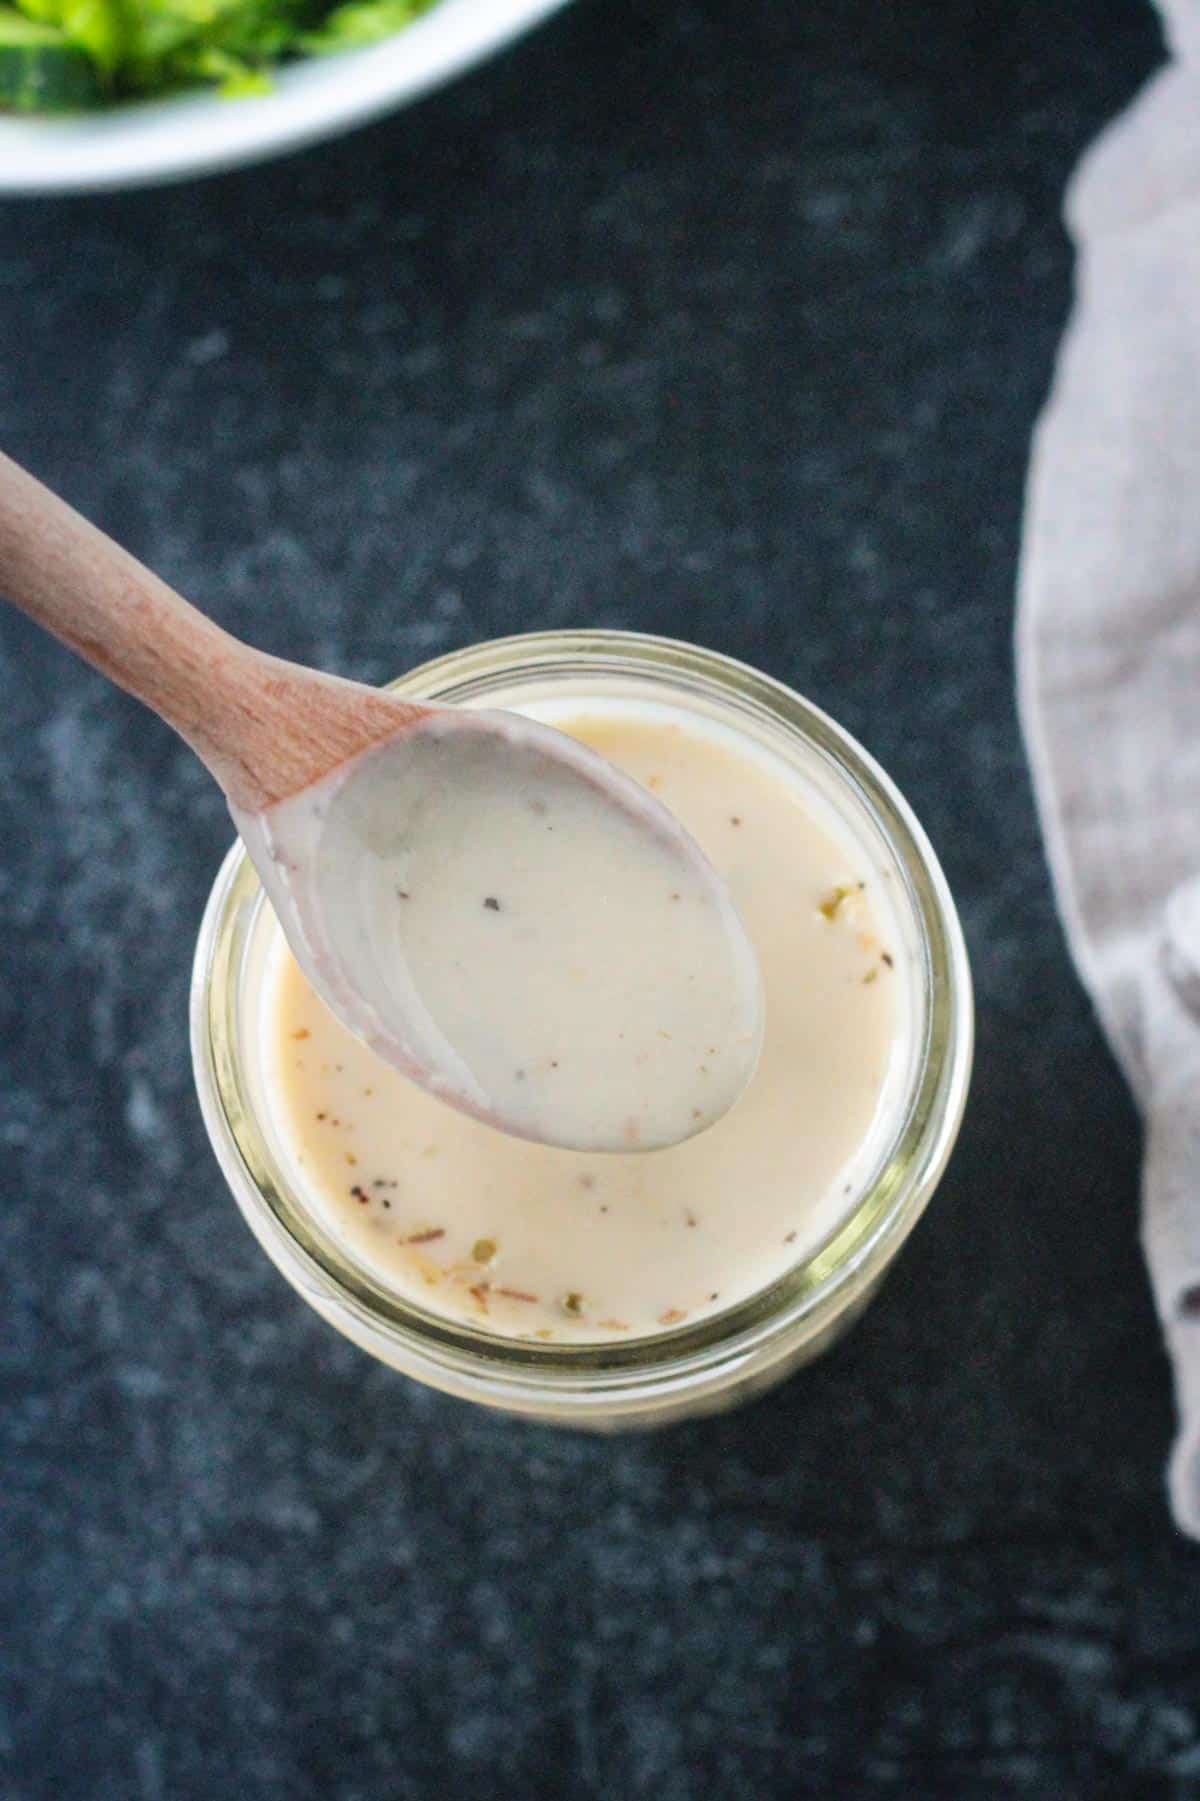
(520, 928)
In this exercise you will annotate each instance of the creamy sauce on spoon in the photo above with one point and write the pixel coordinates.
(528, 933)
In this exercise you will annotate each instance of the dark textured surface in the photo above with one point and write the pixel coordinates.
(725, 322)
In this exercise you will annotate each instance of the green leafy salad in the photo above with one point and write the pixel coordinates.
(68, 55)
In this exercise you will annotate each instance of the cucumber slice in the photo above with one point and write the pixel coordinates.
(40, 72)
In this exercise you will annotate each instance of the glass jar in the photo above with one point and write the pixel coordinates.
(723, 1358)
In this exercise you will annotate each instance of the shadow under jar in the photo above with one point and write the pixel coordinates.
(824, 1270)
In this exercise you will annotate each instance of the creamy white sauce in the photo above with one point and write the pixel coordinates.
(536, 940)
(552, 1245)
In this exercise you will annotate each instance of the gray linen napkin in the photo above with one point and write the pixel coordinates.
(1108, 657)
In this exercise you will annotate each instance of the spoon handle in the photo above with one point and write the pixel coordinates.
(264, 727)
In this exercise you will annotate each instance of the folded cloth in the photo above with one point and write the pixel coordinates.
(1108, 657)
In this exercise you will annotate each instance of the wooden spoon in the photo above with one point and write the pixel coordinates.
(468, 890)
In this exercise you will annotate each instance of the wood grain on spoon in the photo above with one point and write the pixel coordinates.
(264, 727)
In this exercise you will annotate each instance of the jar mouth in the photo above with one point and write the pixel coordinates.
(818, 1285)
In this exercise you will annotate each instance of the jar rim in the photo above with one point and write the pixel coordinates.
(513, 1372)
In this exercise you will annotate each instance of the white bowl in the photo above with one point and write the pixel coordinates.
(199, 133)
